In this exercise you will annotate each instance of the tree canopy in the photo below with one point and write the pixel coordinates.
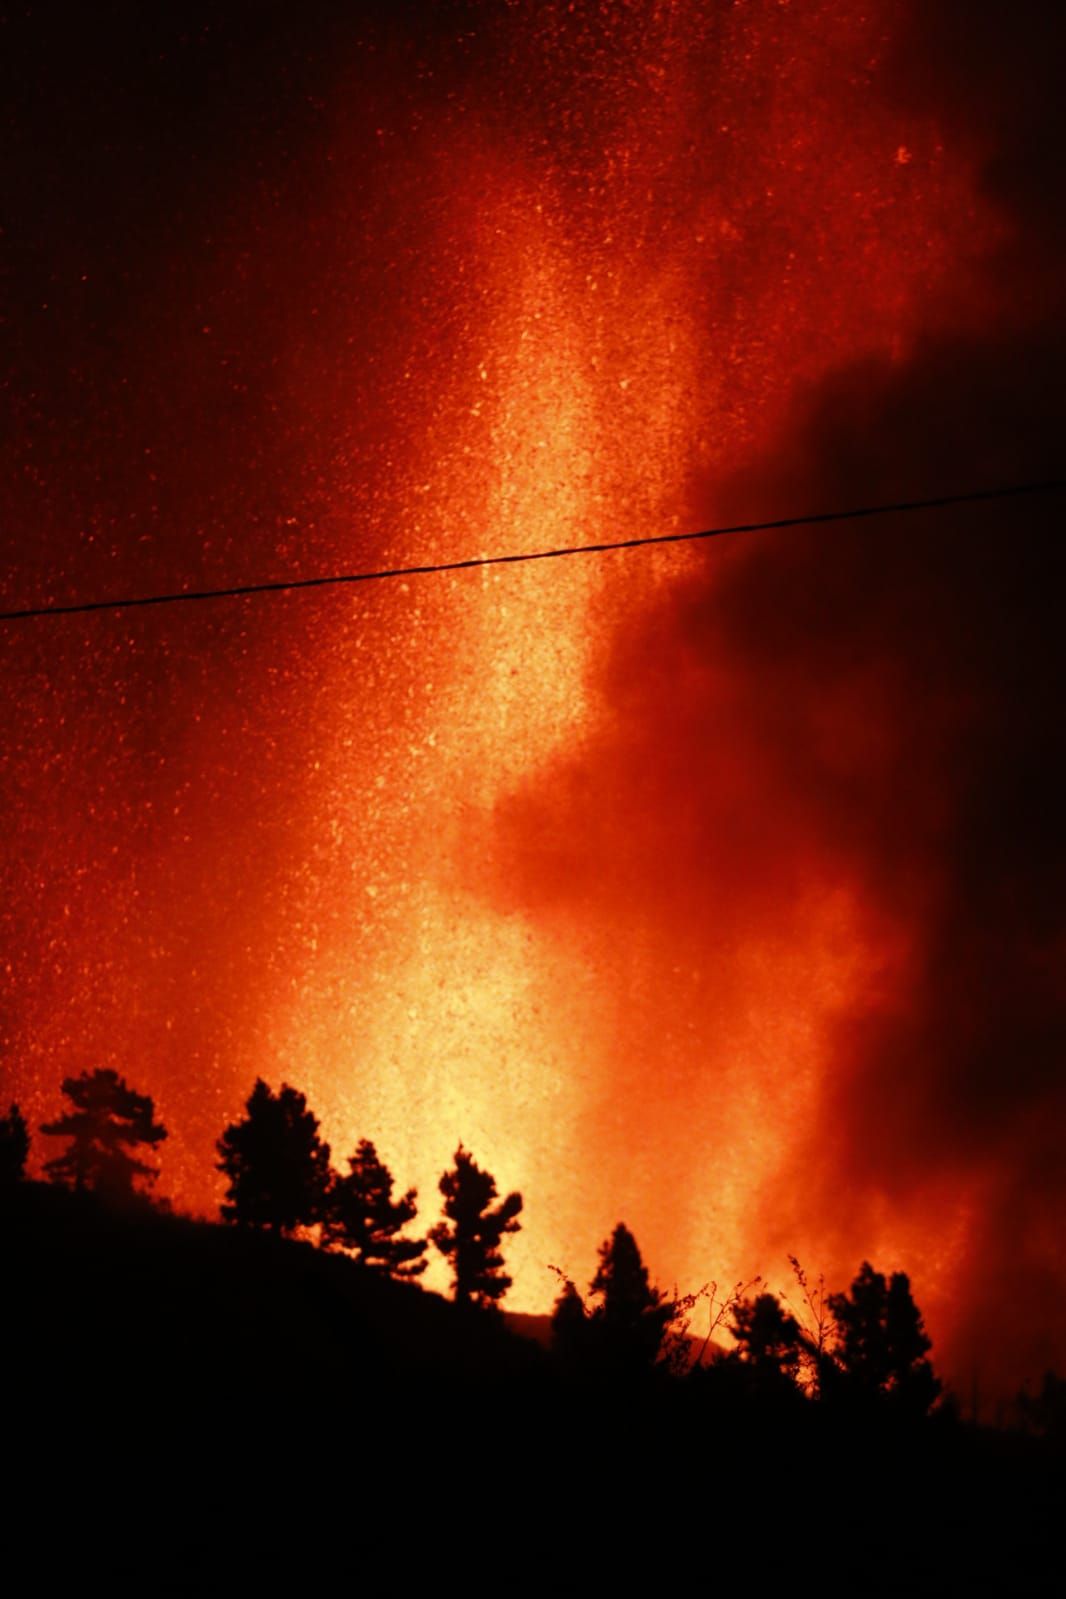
(276, 1163)
(629, 1316)
(569, 1336)
(882, 1344)
(472, 1231)
(108, 1120)
(770, 1344)
(360, 1215)
(621, 1331)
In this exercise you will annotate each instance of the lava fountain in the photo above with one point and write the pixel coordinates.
(571, 268)
(635, 274)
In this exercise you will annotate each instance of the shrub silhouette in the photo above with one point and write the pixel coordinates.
(472, 1240)
(276, 1163)
(360, 1215)
(14, 1147)
(108, 1120)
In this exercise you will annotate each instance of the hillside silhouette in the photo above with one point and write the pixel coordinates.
(195, 1401)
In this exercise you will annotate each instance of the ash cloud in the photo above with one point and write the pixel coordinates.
(879, 704)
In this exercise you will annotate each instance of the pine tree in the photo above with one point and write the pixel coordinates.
(361, 1216)
(570, 1329)
(276, 1163)
(472, 1241)
(881, 1343)
(14, 1147)
(770, 1343)
(108, 1120)
(629, 1322)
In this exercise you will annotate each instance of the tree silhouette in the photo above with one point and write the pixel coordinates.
(14, 1147)
(108, 1120)
(360, 1215)
(472, 1241)
(770, 1344)
(881, 1343)
(277, 1165)
(570, 1332)
(629, 1317)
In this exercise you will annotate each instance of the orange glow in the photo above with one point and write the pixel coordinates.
(596, 288)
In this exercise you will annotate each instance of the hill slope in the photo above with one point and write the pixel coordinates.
(187, 1403)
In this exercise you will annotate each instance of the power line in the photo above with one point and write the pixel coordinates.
(240, 590)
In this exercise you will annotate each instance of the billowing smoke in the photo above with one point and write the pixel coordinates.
(872, 711)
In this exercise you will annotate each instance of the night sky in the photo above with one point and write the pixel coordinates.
(718, 889)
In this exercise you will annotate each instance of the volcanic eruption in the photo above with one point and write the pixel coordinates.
(717, 887)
